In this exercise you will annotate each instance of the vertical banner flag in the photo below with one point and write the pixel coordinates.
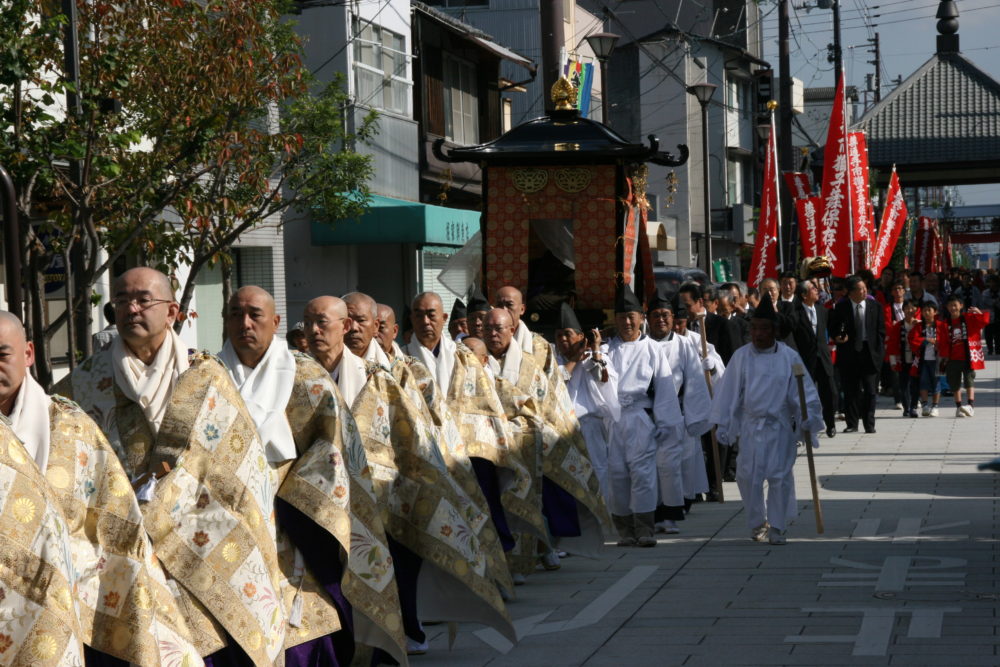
(924, 246)
(893, 220)
(807, 210)
(798, 184)
(765, 260)
(835, 229)
(581, 75)
(860, 187)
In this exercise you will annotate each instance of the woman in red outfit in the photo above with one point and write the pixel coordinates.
(960, 350)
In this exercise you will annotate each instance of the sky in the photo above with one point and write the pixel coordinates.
(907, 33)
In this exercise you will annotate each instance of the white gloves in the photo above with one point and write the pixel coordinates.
(708, 364)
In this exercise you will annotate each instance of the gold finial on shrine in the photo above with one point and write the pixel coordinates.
(564, 94)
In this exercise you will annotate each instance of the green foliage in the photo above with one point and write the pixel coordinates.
(195, 156)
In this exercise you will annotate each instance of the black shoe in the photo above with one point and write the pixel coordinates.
(729, 477)
(851, 429)
(830, 432)
(870, 430)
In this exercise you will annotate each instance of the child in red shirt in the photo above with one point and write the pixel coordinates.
(923, 345)
(961, 351)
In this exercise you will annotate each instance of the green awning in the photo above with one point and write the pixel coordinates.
(391, 220)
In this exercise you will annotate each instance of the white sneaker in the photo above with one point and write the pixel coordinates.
(959, 412)
(759, 534)
(413, 647)
(926, 411)
(968, 410)
(550, 561)
(671, 527)
(934, 411)
(660, 527)
(899, 406)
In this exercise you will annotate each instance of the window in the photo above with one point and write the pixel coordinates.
(380, 59)
(459, 3)
(461, 104)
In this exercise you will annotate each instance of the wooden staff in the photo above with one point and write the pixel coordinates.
(716, 459)
(799, 371)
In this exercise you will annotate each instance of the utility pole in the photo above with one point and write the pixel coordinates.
(878, 67)
(785, 157)
(553, 40)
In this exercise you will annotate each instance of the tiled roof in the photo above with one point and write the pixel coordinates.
(947, 112)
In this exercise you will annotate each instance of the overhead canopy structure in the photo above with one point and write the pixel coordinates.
(941, 126)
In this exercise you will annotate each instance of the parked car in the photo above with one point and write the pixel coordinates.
(669, 278)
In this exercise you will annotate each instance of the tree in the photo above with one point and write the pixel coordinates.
(195, 121)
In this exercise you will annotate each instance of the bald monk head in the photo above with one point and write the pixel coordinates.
(326, 322)
(478, 348)
(387, 328)
(510, 299)
(145, 309)
(363, 323)
(16, 356)
(428, 318)
(251, 322)
(499, 328)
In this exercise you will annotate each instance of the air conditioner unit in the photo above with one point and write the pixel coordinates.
(743, 223)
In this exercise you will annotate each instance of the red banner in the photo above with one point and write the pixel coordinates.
(925, 245)
(858, 161)
(808, 212)
(835, 225)
(798, 184)
(893, 220)
(765, 247)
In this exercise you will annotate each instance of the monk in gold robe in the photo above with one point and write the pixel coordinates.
(442, 563)
(125, 608)
(184, 437)
(325, 502)
(552, 446)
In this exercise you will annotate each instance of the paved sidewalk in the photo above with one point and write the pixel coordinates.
(905, 574)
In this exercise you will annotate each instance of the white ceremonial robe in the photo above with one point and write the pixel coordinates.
(642, 365)
(757, 403)
(596, 406)
(689, 379)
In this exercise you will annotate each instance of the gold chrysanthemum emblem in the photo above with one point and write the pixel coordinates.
(45, 646)
(24, 510)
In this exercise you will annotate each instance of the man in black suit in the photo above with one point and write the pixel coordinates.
(858, 328)
(718, 333)
(805, 323)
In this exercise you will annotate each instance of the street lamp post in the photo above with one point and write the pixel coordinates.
(602, 44)
(704, 92)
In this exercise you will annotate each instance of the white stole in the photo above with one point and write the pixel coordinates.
(29, 419)
(510, 368)
(350, 376)
(524, 338)
(150, 385)
(441, 366)
(376, 355)
(266, 389)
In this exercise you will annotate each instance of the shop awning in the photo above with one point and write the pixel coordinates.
(390, 220)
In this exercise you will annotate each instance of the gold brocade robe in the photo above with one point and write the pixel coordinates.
(330, 482)
(422, 508)
(541, 410)
(486, 433)
(39, 621)
(415, 378)
(125, 606)
(211, 520)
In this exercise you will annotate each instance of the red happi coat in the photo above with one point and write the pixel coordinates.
(894, 341)
(917, 340)
(974, 324)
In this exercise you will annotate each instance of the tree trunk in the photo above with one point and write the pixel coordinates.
(227, 288)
